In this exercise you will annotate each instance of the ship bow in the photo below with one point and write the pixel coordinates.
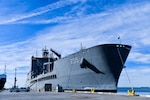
(116, 55)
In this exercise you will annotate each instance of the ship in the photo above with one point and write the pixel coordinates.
(2, 81)
(95, 68)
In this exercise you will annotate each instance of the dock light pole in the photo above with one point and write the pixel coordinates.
(15, 79)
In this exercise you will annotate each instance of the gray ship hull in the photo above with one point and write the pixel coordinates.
(97, 68)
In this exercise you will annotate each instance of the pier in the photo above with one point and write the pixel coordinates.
(6, 95)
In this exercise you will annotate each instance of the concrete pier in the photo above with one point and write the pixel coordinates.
(6, 95)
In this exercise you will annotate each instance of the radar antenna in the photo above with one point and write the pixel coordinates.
(45, 53)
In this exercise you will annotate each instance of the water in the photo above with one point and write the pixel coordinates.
(138, 90)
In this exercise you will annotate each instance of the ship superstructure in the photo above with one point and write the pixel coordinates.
(97, 68)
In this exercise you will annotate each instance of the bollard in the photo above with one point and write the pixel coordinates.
(73, 90)
(92, 90)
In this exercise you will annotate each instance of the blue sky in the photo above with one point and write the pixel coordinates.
(26, 26)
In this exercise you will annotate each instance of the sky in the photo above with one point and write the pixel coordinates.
(27, 26)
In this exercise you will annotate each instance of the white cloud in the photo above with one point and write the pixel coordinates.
(39, 11)
(140, 58)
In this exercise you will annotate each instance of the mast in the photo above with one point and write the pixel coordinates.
(5, 70)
